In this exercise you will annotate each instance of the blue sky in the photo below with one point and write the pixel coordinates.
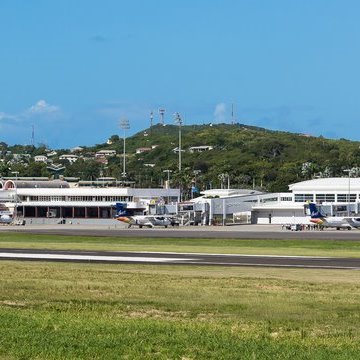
(74, 68)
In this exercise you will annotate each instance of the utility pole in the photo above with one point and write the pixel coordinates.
(16, 173)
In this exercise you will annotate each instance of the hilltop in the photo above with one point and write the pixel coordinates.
(213, 156)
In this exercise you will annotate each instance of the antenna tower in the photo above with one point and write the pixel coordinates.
(151, 119)
(162, 113)
(32, 135)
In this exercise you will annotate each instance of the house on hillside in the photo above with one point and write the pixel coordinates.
(40, 158)
(202, 148)
(70, 158)
(142, 150)
(105, 153)
(51, 153)
(76, 149)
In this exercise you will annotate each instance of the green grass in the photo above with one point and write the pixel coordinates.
(81, 311)
(97, 311)
(232, 246)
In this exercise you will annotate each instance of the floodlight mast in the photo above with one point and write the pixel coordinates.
(124, 125)
(179, 121)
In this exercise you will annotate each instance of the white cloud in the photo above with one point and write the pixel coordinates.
(42, 107)
(220, 113)
(4, 116)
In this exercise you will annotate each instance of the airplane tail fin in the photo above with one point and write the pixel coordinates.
(121, 209)
(315, 213)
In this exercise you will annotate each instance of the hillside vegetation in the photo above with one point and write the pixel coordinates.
(242, 156)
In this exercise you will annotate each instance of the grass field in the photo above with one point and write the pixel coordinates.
(83, 311)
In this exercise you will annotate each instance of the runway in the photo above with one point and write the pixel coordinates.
(198, 259)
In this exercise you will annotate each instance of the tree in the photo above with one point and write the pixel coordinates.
(4, 169)
(86, 170)
(183, 180)
(114, 139)
(36, 169)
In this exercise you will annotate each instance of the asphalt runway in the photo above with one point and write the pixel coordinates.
(120, 257)
(204, 232)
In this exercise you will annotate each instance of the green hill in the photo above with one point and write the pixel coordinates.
(250, 156)
(246, 156)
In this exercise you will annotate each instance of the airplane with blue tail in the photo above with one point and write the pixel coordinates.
(123, 215)
(319, 218)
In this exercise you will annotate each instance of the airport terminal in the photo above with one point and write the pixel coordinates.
(43, 200)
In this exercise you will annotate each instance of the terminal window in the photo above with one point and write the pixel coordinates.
(304, 197)
(325, 198)
(345, 197)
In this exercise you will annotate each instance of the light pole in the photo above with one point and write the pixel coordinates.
(179, 121)
(348, 199)
(168, 181)
(195, 172)
(168, 176)
(222, 178)
(124, 125)
(16, 173)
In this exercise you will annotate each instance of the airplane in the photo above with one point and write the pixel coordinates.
(142, 220)
(317, 217)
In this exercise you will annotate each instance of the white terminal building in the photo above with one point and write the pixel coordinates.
(40, 199)
(337, 196)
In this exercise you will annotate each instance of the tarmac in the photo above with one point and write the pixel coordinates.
(120, 226)
(246, 231)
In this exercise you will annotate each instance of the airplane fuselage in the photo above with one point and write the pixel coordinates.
(332, 222)
(145, 220)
